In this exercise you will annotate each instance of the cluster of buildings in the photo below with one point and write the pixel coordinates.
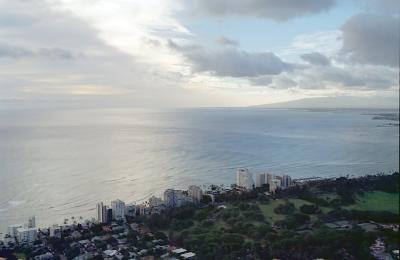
(115, 217)
(244, 180)
(23, 233)
(117, 211)
(172, 198)
(84, 240)
(178, 198)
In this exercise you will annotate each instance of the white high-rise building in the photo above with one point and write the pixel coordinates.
(278, 181)
(31, 222)
(268, 178)
(275, 184)
(174, 198)
(12, 230)
(101, 212)
(260, 179)
(195, 193)
(26, 235)
(286, 181)
(118, 209)
(244, 179)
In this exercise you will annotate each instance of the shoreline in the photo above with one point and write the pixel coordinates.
(297, 181)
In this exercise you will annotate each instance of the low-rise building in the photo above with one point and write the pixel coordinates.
(12, 230)
(155, 201)
(55, 231)
(188, 255)
(26, 235)
(130, 210)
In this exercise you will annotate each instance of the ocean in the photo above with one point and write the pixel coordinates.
(56, 164)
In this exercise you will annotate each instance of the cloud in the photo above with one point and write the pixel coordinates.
(347, 77)
(261, 80)
(140, 52)
(341, 76)
(226, 41)
(45, 53)
(283, 82)
(316, 58)
(52, 54)
(279, 10)
(383, 6)
(371, 39)
(232, 62)
(133, 27)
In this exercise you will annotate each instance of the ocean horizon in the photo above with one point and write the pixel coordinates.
(59, 163)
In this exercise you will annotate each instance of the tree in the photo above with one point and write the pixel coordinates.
(285, 209)
(310, 209)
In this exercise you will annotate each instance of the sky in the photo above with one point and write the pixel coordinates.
(175, 53)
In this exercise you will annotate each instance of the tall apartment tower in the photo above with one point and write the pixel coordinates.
(260, 179)
(173, 198)
(286, 181)
(268, 178)
(101, 212)
(118, 209)
(244, 179)
(32, 222)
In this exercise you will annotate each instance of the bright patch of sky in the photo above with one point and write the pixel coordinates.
(259, 34)
(197, 53)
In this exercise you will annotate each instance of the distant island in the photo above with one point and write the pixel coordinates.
(271, 217)
(338, 102)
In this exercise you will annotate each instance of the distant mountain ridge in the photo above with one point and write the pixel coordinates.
(347, 102)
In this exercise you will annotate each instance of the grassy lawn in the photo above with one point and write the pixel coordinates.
(377, 201)
(20, 255)
(219, 224)
(329, 196)
(271, 216)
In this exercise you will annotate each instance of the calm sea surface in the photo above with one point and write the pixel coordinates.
(57, 164)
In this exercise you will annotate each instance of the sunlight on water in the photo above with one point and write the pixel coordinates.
(55, 164)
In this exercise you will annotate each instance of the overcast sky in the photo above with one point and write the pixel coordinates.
(196, 53)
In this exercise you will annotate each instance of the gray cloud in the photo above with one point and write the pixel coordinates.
(232, 62)
(47, 53)
(284, 82)
(351, 77)
(316, 58)
(261, 80)
(314, 77)
(226, 41)
(341, 76)
(371, 39)
(383, 6)
(279, 10)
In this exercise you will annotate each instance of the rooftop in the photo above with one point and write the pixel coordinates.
(179, 251)
(188, 255)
